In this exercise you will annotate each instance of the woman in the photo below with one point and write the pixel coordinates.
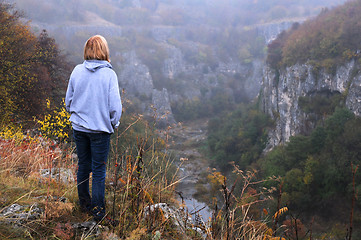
(93, 99)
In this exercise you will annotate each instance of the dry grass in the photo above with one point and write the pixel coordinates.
(238, 216)
(137, 177)
(23, 158)
(21, 183)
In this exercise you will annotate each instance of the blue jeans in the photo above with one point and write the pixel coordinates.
(92, 150)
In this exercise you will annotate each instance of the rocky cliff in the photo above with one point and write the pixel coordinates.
(189, 78)
(137, 83)
(186, 68)
(193, 81)
(282, 90)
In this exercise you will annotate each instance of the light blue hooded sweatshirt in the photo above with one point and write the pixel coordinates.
(93, 97)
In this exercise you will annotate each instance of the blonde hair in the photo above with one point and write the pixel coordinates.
(96, 48)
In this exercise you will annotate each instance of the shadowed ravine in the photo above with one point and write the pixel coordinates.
(185, 140)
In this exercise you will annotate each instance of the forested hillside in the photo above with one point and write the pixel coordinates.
(331, 39)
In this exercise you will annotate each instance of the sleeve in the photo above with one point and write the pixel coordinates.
(115, 103)
(69, 94)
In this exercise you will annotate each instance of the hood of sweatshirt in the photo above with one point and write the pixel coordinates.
(94, 65)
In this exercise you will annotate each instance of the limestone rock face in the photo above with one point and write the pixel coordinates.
(353, 100)
(135, 77)
(162, 109)
(174, 64)
(190, 77)
(253, 80)
(281, 93)
(137, 82)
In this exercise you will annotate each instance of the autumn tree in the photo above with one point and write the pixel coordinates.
(55, 64)
(30, 69)
(331, 38)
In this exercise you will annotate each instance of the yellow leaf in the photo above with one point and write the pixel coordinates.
(280, 212)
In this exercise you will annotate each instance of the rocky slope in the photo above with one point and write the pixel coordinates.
(136, 80)
(193, 79)
(240, 80)
(281, 93)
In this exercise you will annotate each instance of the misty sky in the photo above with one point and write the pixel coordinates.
(170, 12)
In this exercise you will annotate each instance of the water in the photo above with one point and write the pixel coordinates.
(186, 140)
(201, 208)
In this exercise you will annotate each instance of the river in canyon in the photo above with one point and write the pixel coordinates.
(185, 142)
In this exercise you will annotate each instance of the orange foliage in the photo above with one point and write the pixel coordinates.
(335, 34)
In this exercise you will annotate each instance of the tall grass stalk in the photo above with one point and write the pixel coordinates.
(237, 218)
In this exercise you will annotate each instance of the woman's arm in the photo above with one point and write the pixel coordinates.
(115, 103)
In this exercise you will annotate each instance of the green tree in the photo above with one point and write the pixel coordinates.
(316, 168)
(238, 137)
